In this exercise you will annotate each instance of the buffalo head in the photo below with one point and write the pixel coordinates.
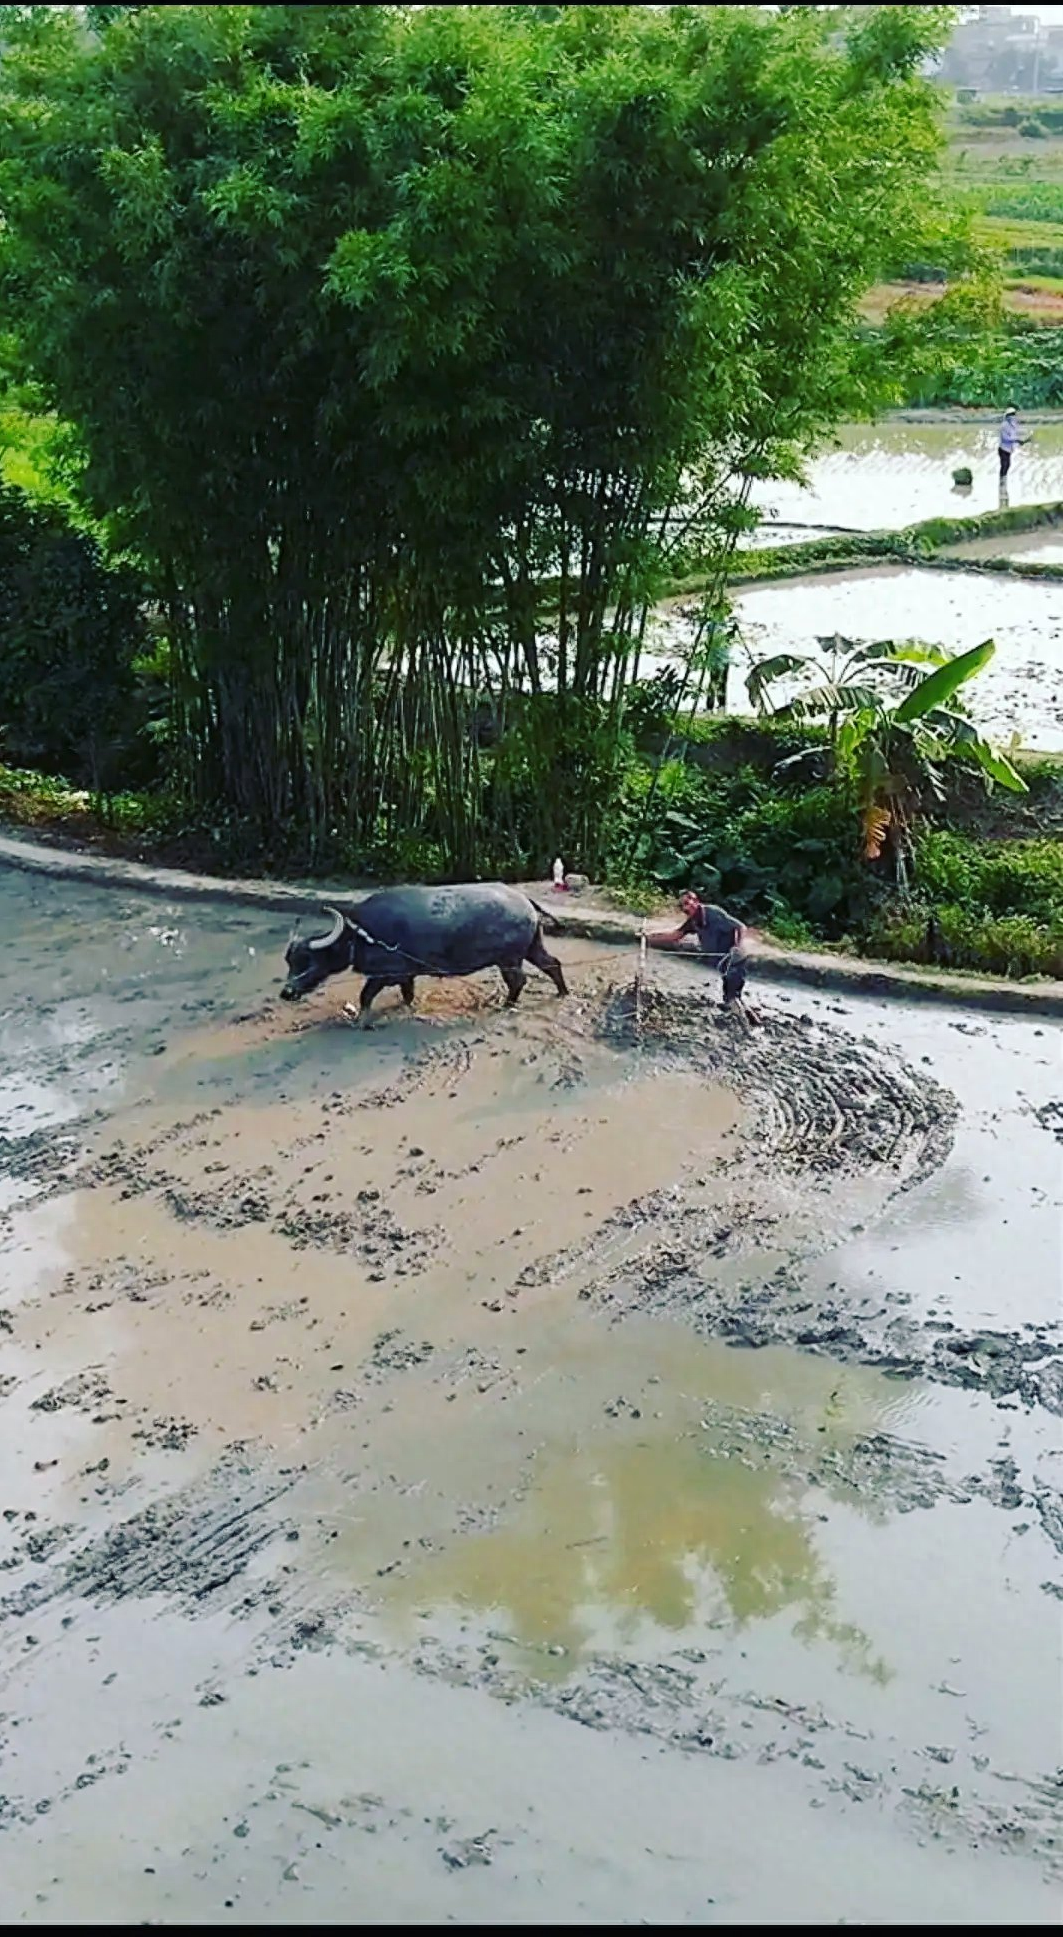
(311, 962)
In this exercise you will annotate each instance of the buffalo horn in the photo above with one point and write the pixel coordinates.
(326, 941)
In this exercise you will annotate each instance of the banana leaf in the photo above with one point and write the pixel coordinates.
(938, 687)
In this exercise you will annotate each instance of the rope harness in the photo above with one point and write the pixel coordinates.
(723, 962)
(397, 948)
(394, 948)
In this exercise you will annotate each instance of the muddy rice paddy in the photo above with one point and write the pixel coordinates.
(563, 1464)
(886, 476)
(877, 477)
(1019, 694)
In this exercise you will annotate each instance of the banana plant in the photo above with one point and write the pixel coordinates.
(893, 726)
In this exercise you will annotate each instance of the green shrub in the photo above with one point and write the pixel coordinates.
(1007, 113)
(955, 937)
(791, 929)
(1037, 262)
(996, 906)
(997, 878)
(649, 704)
(723, 742)
(1021, 365)
(29, 798)
(922, 272)
(769, 852)
(1024, 201)
(784, 853)
(72, 630)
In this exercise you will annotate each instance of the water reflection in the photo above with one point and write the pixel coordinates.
(615, 1548)
(1041, 547)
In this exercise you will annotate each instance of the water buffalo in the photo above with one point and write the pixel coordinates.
(401, 933)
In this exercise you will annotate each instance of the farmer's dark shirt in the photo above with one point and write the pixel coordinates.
(716, 930)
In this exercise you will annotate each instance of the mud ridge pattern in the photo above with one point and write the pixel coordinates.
(824, 1101)
(192, 1547)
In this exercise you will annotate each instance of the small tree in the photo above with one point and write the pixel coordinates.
(892, 728)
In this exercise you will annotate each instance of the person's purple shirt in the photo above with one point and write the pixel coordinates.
(1010, 434)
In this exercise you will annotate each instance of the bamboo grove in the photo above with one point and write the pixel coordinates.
(408, 349)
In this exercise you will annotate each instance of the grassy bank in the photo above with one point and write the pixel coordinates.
(913, 544)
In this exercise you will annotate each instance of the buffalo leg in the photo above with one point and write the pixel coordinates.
(514, 979)
(407, 991)
(371, 988)
(541, 958)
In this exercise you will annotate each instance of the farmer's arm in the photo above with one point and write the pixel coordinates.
(672, 938)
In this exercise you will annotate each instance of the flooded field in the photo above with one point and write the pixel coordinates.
(889, 474)
(1025, 547)
(1020, 692)
(530, 1466)
(883, 477)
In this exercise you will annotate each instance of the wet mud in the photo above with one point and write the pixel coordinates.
(425, 1406)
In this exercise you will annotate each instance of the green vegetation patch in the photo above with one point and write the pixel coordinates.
(912, 543)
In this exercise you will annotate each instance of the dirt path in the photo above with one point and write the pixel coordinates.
(516, 1466)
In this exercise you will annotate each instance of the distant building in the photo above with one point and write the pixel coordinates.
(999, 51)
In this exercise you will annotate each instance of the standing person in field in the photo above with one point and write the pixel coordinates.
(1010, 438)
(720, 936)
